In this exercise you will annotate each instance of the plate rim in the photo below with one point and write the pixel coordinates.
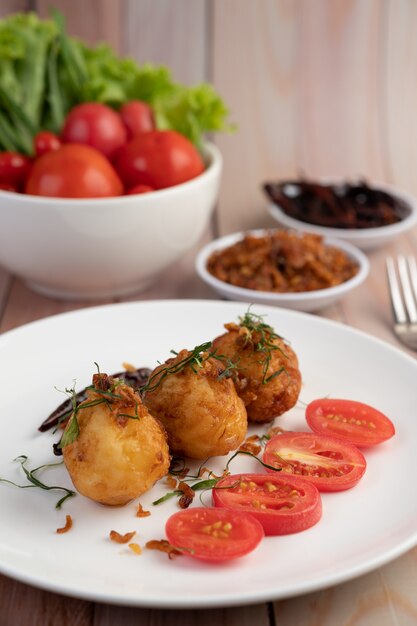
(220, 600)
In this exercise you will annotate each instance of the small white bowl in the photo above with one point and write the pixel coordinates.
(104, 247)
(363, 238)
(307, 301)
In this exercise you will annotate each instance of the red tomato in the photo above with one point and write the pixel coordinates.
(137, 116)
(74, 171)
(329, 463)
(14, 168)
(95, 125)
(283, 504)
(140, 189)
(7, 187)
(349, 420)
(159, 158)
(45, 142)
(214, 534)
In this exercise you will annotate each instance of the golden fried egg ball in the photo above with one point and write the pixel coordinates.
(267, 376)
(120, 450)
(197, 404)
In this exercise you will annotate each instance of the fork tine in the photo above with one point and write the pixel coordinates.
(396, 299)
(412, 268)
(407, 290)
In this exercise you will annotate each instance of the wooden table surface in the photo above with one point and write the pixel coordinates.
(384, 597)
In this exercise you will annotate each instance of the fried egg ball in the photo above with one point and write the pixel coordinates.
(198, 406)
(120, 450)
(267, 376)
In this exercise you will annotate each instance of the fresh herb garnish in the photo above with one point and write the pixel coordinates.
(262, 337)
(276, 469)
(206, 484)
(229, 366)
(72, 430)
(105, 387)
(202, 485)
(194, 359)
(135, 378)
(35, 482)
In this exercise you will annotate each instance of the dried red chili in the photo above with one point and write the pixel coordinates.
(337, 206)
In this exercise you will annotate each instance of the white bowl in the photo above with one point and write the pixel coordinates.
(363, 238)
(303, 301)
(104, 247)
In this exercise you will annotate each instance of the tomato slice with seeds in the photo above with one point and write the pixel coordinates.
(213, 534)
(351, 421)
(283, 504)
(327, 462)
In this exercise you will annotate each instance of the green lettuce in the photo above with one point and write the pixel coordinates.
(44, 73)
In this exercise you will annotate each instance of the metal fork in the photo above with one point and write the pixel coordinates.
(402, 283)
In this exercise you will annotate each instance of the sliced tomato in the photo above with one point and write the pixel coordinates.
(213, 534)
(283, 504)
(327, 462)
(351, 421)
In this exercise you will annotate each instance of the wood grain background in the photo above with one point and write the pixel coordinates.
(322, 87)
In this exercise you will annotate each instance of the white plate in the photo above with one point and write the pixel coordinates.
(361, 529)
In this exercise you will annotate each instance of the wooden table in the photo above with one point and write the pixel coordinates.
(385, 597)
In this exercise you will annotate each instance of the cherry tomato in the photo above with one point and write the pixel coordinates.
(14, 168)
(7, 187)
(140, 189)
(45, 142)
(159, 158)
(283, 504)
(73, 171)
(214, 534)
(351, 421)
(329, 463)
(95, 125)
(137, 116)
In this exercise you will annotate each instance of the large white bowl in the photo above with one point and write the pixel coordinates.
(363, 238)
(104, 247)
(303, 301)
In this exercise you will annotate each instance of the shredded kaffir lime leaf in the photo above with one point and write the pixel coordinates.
(35, 482)
(107, 396)
(195, 359)
(262, 336)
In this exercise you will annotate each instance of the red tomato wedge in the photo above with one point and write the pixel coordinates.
(327, 462)
(351, 421)
(213, 534)
(283, 504)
